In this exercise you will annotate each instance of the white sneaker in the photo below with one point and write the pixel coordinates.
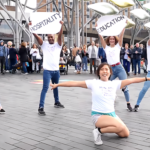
(75, 71)
(7, 71)
(97, 137)
(26, 73)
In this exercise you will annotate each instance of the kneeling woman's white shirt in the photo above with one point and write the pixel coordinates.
(103, 94)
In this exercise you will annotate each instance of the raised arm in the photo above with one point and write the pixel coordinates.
(81, 84)
(60, 34)
(38, 38)
(133, 80)
(102, 41)
(121, 37)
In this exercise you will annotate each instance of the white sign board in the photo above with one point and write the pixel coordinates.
(45, 22)
(111, 25)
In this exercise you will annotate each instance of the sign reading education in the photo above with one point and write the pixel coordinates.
(45, 22)
(111, 25)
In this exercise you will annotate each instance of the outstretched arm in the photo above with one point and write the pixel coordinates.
(121, 37)
(133, 80)
(81, 84)
(60, 34)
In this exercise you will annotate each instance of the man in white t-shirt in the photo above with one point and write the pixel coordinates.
(147, 83)
(51, 57)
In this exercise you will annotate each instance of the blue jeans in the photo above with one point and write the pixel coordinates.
(24, 67)
(135, 62)
(84, 63)
(47, 76)
(103, 60)
(126, 65)
(6, 64)
(12, 63)
(144, 90)
(118, 71)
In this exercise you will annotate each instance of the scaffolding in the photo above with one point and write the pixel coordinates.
(17, 27)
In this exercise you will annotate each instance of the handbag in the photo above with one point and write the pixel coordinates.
(129, 59)
(38, 57)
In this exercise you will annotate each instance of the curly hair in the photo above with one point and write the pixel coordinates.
(116, 40)
(23, 44)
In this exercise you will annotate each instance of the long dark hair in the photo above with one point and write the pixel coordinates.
(101, 66)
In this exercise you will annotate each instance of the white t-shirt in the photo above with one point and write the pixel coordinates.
(34, 50)
(103, 94)
(51, 56)
(113, 54)
(148, 57)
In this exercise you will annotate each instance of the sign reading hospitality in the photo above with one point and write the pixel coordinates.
(45, 22)
(111, 25)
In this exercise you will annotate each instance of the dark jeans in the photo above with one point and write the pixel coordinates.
(2, 61)
(91, 63)
(135, 62)
(12, 63)
(132, 64)
(103, 60)
(47, 76)
(126, 65)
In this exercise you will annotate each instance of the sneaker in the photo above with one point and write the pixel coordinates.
(41, 111)
(2, 111)
(129, 108)
(58, 105)
(75, 71)
(7, 70)
(136, 108)
(97, 137)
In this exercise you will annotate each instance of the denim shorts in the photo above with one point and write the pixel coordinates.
(96, 115)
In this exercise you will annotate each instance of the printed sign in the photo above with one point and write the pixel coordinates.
(45, 22)
(111, 25)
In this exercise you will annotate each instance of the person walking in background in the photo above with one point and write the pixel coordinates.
(131, 49)
(127, 58)
(144, 57)
(3, 55)
(84, 59)
(34, 52)
(93, 54)
(122, 52)
(12, 56)
(98, 60)
(102, 55)
(23, 58)
(137, 53)
(74, 52)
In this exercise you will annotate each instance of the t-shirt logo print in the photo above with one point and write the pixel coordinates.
(51, 48)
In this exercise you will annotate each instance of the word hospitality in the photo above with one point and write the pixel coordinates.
(45, 22)
(110, 24)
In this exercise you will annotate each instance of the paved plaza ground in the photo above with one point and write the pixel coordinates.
(21, 128)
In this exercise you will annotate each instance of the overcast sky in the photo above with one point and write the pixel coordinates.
(30, 3)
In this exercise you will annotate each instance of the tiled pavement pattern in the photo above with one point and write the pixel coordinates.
(21, 128)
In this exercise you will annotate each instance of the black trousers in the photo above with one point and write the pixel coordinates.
(91, 63)
(2, 61)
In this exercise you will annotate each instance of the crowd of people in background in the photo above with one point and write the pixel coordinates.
(30, 60)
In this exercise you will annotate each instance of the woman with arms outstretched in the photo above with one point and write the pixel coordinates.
(112, 47)
(103, 97)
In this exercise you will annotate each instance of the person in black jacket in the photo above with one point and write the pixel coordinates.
(122, 52)
(144, 56)
(12, 56)
(23, 53)
(131, 49)
(137, 52)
